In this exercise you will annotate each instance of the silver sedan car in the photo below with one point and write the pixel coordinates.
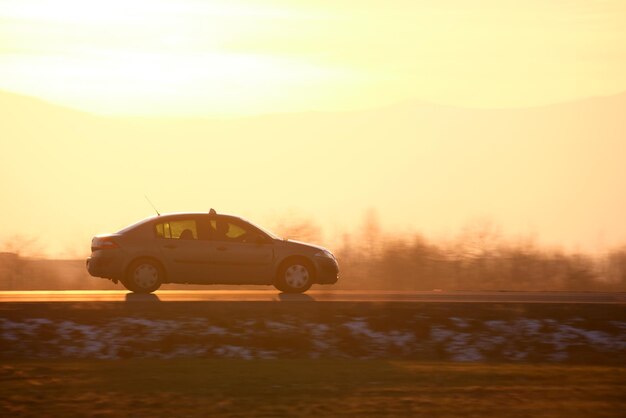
(207, 248)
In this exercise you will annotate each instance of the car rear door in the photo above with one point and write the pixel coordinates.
(185, 248)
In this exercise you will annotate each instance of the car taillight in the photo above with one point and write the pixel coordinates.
(104, 243)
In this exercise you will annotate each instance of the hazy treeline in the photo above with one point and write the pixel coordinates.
(23, 273)
(416, 264)
(478, 259)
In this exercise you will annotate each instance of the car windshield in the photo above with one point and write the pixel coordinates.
(270, 233)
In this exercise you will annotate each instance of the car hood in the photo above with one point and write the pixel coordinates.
(304, 244)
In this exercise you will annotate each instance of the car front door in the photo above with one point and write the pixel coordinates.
(185, 249)
(240, 253)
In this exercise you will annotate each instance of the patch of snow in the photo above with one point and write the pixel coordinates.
(233, 351)
(279, 326)
(439, 334)
(488, 342)
(513, 340)
(460, 322)
(400, 339)
(497, 325)
(359, 327)
(319, 336)
(266, 355)
(529, 326)
(213, 330)
(469, 354)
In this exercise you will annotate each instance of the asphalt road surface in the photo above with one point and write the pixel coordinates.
(311, 296)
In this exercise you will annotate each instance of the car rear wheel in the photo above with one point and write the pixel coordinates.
(294, 277)
(144, 276)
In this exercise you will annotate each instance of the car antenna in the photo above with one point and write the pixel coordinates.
(153, 207)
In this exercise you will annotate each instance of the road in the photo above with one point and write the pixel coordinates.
(313, 295)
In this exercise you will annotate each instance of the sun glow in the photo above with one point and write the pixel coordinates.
(155, 58)
(414, 146)
(174, 83)
(193, 57)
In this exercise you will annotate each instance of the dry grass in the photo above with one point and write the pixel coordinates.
(264, 388)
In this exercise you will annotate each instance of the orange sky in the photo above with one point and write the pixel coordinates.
(553, 172)
(246, 56)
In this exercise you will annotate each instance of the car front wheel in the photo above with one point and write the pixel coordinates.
(294, 277)
(144, 276)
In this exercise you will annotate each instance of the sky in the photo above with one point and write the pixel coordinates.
(231, 58)
(433, 114)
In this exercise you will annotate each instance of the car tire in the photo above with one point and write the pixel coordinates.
(144, 276)
(294, 277)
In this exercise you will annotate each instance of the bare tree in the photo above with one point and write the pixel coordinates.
(14, 265)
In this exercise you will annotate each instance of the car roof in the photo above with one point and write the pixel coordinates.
(191, 214)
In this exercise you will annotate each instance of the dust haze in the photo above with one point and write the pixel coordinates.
(478, 258)
(413, 196)
(555, 173)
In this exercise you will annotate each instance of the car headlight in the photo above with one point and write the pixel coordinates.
(325, 253)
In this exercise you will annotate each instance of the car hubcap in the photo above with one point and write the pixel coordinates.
(146, 275)
(297, 276)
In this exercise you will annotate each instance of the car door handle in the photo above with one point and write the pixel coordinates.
(170, 246)
(221, 248)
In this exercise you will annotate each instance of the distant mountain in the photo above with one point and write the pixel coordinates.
(556, 170)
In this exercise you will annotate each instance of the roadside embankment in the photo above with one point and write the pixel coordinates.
(463, 332)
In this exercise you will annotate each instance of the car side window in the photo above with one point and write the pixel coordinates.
(177, 229)
(226, 230)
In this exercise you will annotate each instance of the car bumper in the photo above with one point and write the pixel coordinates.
(327, 270)
(105, 267)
